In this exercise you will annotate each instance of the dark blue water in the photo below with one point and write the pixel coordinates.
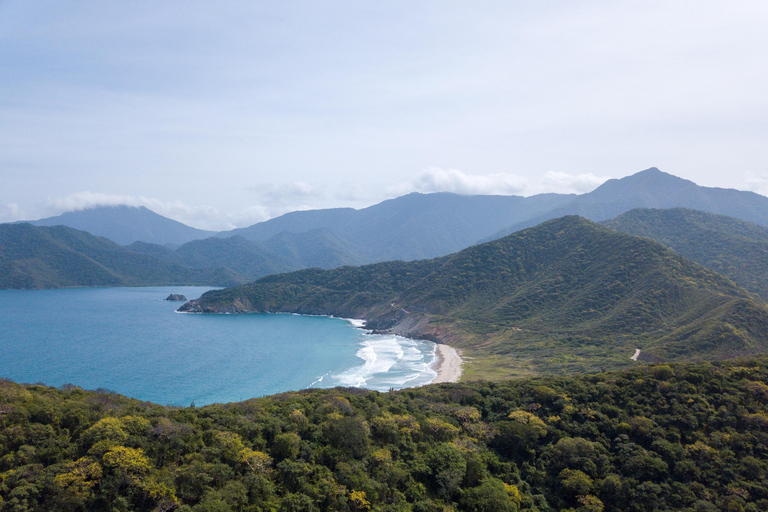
(131, 341)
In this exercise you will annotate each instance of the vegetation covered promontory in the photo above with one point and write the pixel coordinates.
(567, 295)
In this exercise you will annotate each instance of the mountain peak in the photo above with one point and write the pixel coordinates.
(125, 224)
(651, 177)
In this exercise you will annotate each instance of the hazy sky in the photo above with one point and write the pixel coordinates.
(222, 114)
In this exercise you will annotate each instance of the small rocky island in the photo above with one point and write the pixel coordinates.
(176, 297)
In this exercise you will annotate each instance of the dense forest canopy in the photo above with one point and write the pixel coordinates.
(683, 437)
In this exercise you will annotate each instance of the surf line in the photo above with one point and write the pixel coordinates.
(446, 360)
(320, 378)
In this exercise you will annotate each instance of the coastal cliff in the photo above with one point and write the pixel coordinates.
(399, 322)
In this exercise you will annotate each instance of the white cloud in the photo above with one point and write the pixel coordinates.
(10, 212)
(286, 192)
(564, 183)
(755, 182)
(435, 179)
(277, 199)
(87, 199)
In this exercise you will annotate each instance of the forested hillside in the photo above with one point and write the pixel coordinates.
(568, 295)
(677, 437)
(729, 246)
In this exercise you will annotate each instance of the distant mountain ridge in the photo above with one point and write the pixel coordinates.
(653, 188)
(414, 226)
(34, 257)
(127, 224)
(411, 227)
(284, 252)
(567, 295)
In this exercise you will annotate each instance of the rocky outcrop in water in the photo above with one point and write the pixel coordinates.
(176, 297)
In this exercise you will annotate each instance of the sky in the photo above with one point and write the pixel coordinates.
(224, 114)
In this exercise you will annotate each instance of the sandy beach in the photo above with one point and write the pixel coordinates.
(448, 364)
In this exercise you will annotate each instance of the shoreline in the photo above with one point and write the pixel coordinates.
(447, 364)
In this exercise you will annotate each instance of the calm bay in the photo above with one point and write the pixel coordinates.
(131, 341)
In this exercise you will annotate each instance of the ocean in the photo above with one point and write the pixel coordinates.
(133, 342)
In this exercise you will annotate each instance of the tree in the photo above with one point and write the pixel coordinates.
(491, 496)
(447, 467)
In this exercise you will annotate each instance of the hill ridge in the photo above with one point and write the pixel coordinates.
(420, 226)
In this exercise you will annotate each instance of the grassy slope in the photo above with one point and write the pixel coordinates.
(568, 295)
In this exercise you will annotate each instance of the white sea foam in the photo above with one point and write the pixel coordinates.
(390, 362)
(357, 322)
(379, 354)
(319, 379)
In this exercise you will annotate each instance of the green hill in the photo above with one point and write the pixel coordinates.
(661, 438)
(568, 295)
(320, 247)
(55, 257)
(732, 247)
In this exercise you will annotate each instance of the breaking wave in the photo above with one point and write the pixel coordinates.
(390, 362)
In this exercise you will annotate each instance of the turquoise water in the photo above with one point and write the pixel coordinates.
(131, 341)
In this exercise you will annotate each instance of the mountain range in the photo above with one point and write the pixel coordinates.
(415, 226)
(421, 226)
(567, 295)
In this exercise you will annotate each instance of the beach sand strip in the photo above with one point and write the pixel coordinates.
(448, 366)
